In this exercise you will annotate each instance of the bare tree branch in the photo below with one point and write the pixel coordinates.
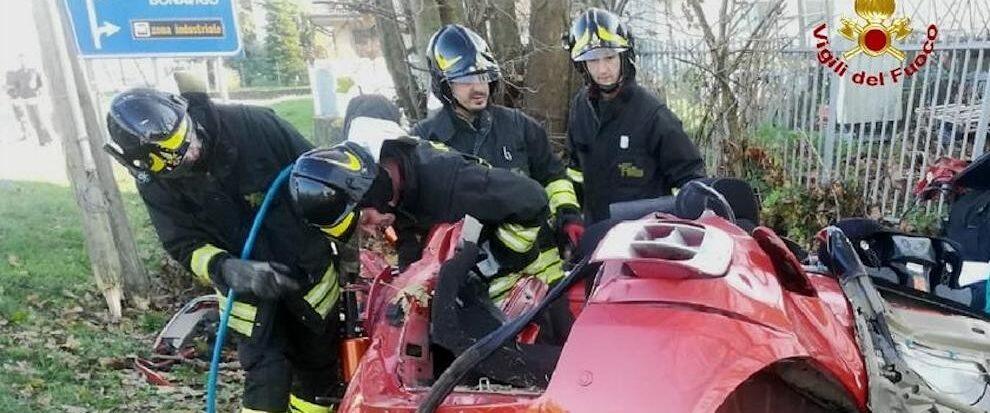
(706, 29)
(759, 31)
(727, 72)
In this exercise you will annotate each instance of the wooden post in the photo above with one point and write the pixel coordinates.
(109, 242)
(136, 280)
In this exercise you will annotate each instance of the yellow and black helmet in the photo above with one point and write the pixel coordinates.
(327, 185)
(456, 54)
(598, 33)
(149, 129)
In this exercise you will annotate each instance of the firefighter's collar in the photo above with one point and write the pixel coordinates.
(447, 128)
(626, 92)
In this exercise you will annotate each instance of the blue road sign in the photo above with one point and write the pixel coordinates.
(146, 28)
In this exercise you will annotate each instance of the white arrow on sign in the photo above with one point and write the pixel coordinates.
(107, 29)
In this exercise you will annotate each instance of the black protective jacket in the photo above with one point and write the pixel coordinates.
(207, 216)
(508, 139)
(632, 147)
(442, 186)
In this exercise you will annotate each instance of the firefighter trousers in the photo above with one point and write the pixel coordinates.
(291, 367)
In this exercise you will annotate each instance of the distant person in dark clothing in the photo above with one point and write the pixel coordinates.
(23, 86)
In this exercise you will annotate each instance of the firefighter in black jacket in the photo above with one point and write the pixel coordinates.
(202, 171)
(421, 184)
(631, 142)
(464, 77)
(343, 188)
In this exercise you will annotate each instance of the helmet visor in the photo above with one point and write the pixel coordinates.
(483, 77)
(599, 53)
(320, 204)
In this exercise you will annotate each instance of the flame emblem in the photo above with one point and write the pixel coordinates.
(876, 37)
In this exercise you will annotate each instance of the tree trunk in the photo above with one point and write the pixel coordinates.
(426, 21)
(451, 11)
(548, 68)
(411, 98)
(505, 29)
(507, 46)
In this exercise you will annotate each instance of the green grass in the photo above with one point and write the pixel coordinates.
(298, 112)
(45, 274)
(40, 238)
(58, 352)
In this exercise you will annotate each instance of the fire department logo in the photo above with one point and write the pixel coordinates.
(877, 36)
(630, 170)
(874, 33)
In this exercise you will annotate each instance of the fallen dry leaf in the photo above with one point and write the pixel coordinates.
(13, 261)
(114, 363)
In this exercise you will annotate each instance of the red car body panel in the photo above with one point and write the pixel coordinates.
(653, 336)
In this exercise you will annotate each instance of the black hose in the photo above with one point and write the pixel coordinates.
(488, 344)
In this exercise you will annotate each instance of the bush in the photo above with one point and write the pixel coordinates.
(919, 221)
(794, 210)
(798, 212)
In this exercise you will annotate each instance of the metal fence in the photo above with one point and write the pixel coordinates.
(821, 127)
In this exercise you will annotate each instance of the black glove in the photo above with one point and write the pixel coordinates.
(265, 280)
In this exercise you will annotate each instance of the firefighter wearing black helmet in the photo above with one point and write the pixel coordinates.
(464, 77)
(633, 143)
(420, 184)
(343, 188)
(202, 171)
